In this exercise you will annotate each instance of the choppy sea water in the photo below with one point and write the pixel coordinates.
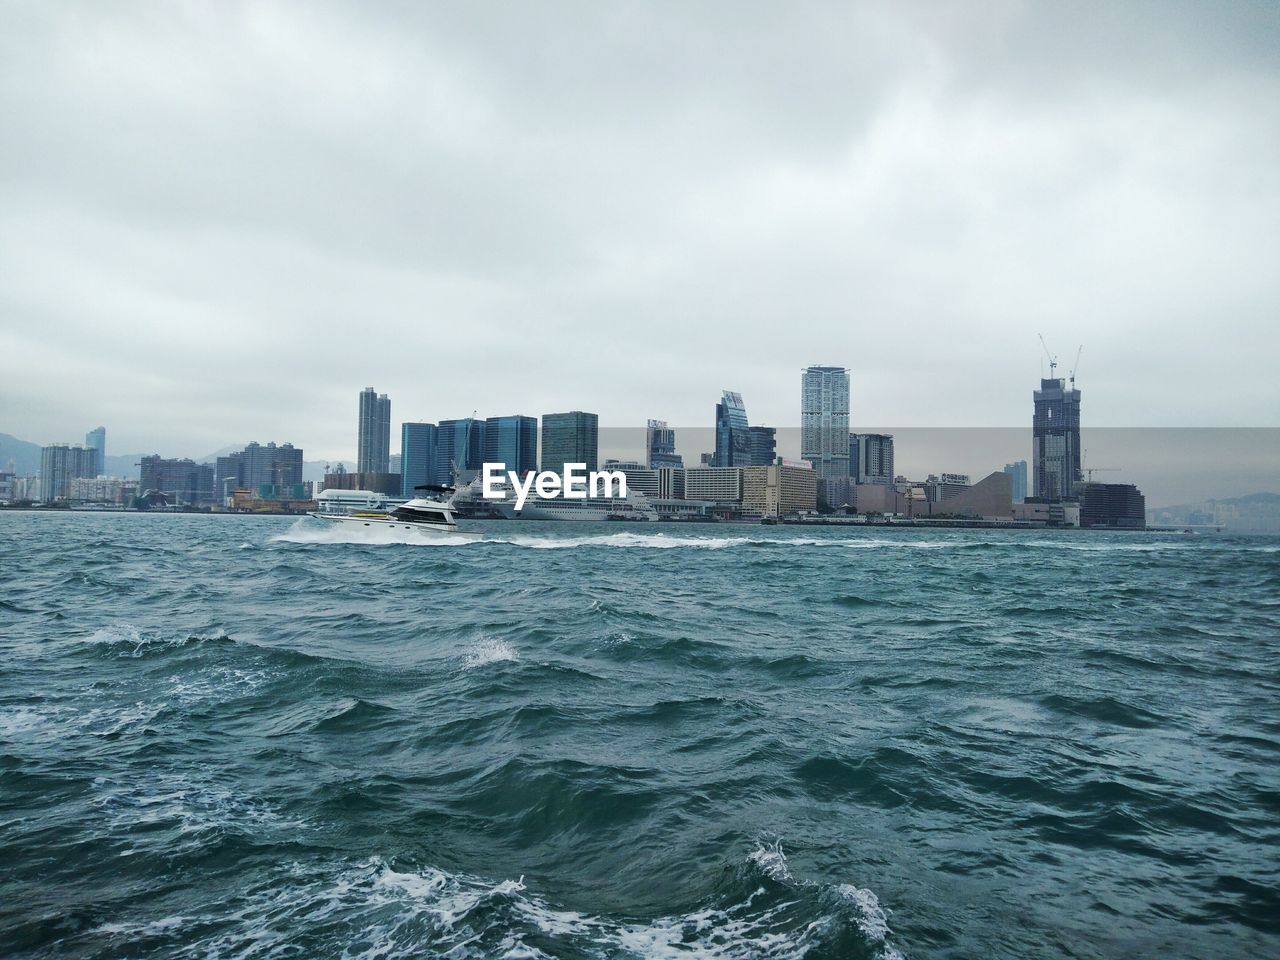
(242, 737)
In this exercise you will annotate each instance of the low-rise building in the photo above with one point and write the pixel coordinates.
(1117, 505)
(1053, 513)
(779, 490)
(717, 484)
(653, 482)
(102, 490)
(938, 489)
(676, 508)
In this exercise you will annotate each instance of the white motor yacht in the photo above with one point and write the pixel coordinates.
(423, 517)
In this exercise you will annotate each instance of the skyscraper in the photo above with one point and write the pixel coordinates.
(1055, 440)
(374, 451)
(180, 481)
(512, 441)
(764, 446)
(96, 439)
(417, 456)
(733, 439)
(572, 437)
(660, 442)
(824, 421)
(258, 466)
(60, 463)
(871, 458)
(460, 444)
(1017, 472)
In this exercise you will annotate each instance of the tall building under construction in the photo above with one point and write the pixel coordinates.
(1055, 443)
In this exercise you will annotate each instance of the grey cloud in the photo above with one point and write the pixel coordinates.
(220, 221)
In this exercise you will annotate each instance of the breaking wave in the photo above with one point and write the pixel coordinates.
(489, 651)
(373, 909)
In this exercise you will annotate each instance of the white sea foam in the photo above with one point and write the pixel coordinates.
(149, 928)
(66, 720)
(656, 541)
(489, 651)
(19, 721)
(872, 920)
(307, 531)
(217, 685)
(770, 858)
(189, 806)
(377, 911)
(126, 635)
(660, 541)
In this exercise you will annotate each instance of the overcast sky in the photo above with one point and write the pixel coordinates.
(218, 222)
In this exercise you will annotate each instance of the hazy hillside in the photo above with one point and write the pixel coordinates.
(1254, 513)
(26, 459)
(25, 456)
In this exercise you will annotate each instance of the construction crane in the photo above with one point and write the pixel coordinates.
(1090, 471)
(1076, 366)
(1053, 361)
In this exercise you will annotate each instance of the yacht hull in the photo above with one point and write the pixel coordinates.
(389, 528)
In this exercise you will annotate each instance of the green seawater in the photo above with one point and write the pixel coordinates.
(243, 737)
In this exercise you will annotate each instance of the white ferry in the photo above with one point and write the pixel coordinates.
(634, 506)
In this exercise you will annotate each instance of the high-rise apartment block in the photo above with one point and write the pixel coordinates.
(181, 482)
(824, 421)
(373, 454)
(871, 457)
(258, 466)
(60, 463)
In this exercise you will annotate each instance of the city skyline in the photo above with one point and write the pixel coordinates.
(1173, 466)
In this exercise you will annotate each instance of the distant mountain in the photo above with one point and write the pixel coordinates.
(125, 465)
(25, 456)
(224, 452)
(314, 469)
(1253, 513)
(26, 459)
(1248, 500)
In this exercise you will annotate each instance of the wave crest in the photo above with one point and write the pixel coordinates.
(489, 651)
(374, 909)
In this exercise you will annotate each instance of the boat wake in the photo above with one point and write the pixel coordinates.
(306, 531)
